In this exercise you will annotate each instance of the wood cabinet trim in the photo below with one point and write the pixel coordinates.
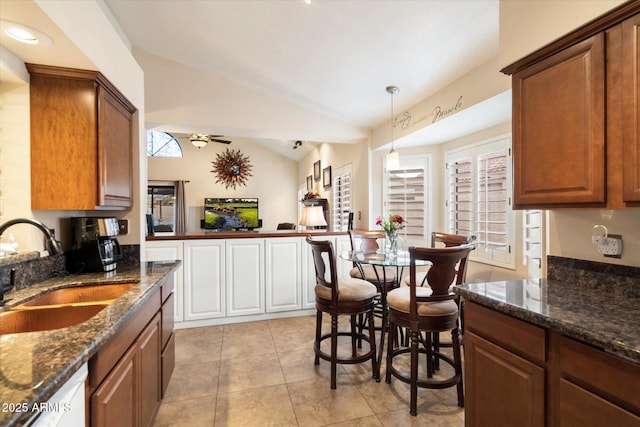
(109, 354)
(597, 25)
(515, 335)
(168, 362)
(74, 73)
(612, 378)
(631, 109)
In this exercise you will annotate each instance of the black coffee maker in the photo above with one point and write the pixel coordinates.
(95, 243)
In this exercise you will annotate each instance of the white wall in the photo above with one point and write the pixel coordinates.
(173, 105)
(338, 156)
(274, 180)
(15, 163)
(86, 25)
(570, 234)
(470, 90)
(528, 25)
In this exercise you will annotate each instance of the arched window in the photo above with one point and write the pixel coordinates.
(161, 144)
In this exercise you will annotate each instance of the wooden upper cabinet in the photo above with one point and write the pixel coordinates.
(559, 128)
(576, 117)
(81, 141)
(631, 109)
(114, 151)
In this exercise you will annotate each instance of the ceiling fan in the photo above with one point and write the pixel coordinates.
(200, 140)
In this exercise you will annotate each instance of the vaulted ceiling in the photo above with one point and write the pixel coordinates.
(325, 63)
(333, 58)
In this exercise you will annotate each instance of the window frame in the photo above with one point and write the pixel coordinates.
(342, 177)
(473, 152)
(423, 161)
(170, 140)
(162, 184)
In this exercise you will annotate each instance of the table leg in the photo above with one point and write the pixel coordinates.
(385, 311)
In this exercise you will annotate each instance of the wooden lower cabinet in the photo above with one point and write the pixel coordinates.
(114, 403)
(595, 388)
(149, 372)
(129, 374)
(519, 374)
(130, 394)
(581, 408)
(502, 389)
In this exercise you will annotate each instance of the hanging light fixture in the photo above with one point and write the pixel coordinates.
(393, 158)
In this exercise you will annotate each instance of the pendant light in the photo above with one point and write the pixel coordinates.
(393, 158)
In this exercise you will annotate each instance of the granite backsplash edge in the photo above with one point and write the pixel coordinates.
(32, 269)
(620, 280)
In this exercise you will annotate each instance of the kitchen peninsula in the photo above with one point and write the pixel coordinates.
(130, 332)
(230, 277)
(560, 353)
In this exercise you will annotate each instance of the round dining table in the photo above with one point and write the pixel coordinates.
(381, 262)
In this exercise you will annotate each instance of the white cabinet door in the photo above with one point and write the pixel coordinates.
(283, 273)
(204, 271)
(245, 276)
(170, 250)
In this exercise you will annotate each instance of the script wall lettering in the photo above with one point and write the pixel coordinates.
(406, 121)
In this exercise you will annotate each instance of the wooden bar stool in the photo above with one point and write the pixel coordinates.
(431, 310)
(438, 239)
(346, 296)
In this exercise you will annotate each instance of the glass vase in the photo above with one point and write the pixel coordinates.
(392, 244)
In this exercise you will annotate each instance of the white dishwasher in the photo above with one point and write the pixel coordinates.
(66, 408)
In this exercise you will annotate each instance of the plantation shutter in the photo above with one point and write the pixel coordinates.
(492, 225)
(341, 199)
(460, 196)
(532, 229)
(478, 199)
(406, 195)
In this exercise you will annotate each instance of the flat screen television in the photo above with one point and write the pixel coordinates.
(231, 213)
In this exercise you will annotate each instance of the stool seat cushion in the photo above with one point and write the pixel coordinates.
(350, 290)
(398, 299)
(389, 273)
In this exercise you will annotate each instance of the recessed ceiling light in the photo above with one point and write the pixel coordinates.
(25, 34)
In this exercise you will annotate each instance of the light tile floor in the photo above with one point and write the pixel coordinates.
(262, 374)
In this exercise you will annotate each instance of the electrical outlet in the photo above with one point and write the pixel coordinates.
(123, 226)
(611, 246)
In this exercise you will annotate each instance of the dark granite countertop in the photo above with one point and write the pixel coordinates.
(608, 320)
(34, 365)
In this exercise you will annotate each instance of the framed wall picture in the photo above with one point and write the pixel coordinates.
(316, 171)
(309, 183)
(326, 177)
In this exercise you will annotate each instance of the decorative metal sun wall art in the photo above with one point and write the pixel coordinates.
(232, 168)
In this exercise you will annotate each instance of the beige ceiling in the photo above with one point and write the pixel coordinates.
(333, 58)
